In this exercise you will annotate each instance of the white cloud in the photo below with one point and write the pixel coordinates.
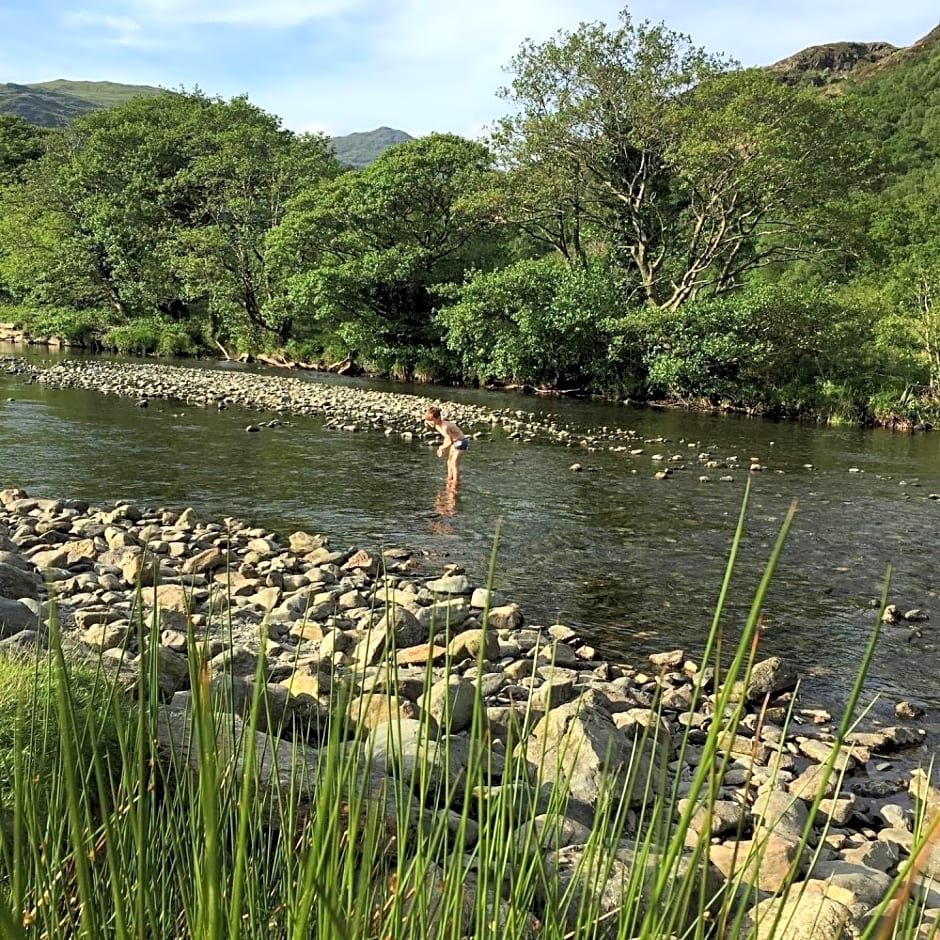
(276, 13)
(317, 127)
(123, 30)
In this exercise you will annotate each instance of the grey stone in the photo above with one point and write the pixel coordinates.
(16, 583)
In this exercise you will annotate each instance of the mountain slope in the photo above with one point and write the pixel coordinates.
(55, 103)
(360, 149)
(101, 94)
(836, 62)
(831, 62)
(898, 89)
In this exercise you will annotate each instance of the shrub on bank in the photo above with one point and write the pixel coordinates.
(81, 328)
(762, 348)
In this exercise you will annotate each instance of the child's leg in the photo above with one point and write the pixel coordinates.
(453, 464)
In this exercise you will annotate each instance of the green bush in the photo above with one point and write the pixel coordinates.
(137, 338)
(81, 328)
(175, 339)
(538, 322)
(907, 407)
(762, 348)
(307, 350)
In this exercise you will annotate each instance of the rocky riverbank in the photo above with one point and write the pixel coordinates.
(417, 647)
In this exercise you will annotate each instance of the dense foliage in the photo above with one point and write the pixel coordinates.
(649, 220)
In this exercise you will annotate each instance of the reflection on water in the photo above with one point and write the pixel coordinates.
(445, 508)
(633, 562)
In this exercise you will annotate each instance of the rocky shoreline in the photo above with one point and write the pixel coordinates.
(416, 647)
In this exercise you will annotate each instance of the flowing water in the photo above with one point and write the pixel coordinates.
(633, 562)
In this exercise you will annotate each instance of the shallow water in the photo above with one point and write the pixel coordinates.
(633, 562)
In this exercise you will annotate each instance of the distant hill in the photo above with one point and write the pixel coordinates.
(54, 104)
(833, 63)
(830, 63)
(360, 149)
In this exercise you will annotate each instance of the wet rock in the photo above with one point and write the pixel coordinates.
(770, 677)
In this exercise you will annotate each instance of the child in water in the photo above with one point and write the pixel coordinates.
(455, 442)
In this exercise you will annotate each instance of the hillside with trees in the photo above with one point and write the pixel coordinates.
(648, 221)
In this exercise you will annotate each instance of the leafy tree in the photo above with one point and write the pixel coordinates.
(159, 207)
(93, 212)
(761, 347)
(632, 142)
(537, 322)
(20, 144)
(231, 195)
(904, 264)
(364, 254)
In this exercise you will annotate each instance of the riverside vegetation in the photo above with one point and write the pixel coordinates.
(211, 730)
(651, 221)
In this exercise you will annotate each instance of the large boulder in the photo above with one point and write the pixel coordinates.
(16, 583)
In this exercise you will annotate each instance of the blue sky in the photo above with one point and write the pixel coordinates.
(419, 65)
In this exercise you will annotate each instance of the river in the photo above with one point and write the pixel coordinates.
(633, 562)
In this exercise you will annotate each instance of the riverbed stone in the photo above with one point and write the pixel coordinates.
(449, 615)
(721, 816)
(580, 748)
(768, 678)
(14, 617)
(205, 562)
(506, 617)
(16, 582)
(402, 627)
(451, 584)
(767, 863)
(578, 890)
(879, 855)
(302, 543)
(868, 885)
(485, 597)
(780, 813)
(450, 703)
(815, 780)
(473, 644)
(836, 812)
(801, 915)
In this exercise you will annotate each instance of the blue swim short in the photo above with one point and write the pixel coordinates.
(462, 444)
